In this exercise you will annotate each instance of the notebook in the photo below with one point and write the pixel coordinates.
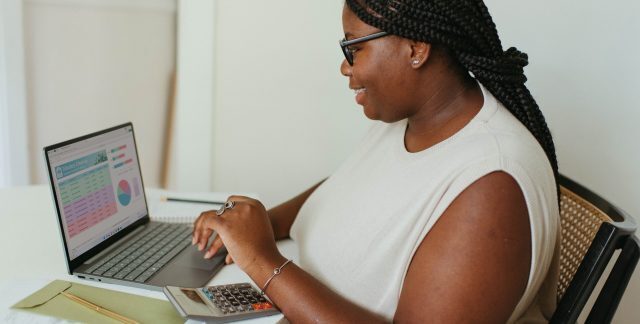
(104, 221)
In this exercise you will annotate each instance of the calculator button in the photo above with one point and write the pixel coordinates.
(240, 308)
(258, 306)
(266, 306)
(231, 310)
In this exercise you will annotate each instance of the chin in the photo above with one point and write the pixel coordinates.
(371, 113)
(375, 115)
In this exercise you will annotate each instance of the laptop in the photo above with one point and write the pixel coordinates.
(104, 220)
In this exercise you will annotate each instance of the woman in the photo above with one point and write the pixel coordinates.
(447, 212)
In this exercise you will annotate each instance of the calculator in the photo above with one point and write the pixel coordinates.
(220, 304)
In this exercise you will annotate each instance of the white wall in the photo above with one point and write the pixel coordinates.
(191, 158)
(92, 64)
(14, 168)
(284, 116)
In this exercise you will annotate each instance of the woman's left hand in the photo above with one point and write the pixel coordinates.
(244, 229)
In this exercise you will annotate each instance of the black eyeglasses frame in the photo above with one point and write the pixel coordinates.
(344, 44)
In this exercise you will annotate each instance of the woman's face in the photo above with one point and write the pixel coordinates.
(379, 75)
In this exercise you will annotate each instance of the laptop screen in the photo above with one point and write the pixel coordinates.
(97, 186)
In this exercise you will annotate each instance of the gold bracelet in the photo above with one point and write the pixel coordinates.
(276, 272)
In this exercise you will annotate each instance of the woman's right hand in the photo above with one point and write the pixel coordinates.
(215, 245)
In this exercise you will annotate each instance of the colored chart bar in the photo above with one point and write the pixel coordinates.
(119, 148)
(117, 165)
(118, 157)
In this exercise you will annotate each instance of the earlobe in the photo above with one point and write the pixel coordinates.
(419, 53)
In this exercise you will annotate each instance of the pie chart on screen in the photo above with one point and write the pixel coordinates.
(124, 192)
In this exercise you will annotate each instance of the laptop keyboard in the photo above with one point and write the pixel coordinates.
(139, 260)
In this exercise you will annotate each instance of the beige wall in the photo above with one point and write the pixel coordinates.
(284, 117)
(95, 64)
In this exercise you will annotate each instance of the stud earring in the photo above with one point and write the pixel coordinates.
(415, 61)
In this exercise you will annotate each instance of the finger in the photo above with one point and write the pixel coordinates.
(212, 222)
(194, 232)
(205, 231)
(204, 235)
(228, 259)
(213, 249)
(197, 227)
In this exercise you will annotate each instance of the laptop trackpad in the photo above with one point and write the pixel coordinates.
(193, 258)
(188, 269)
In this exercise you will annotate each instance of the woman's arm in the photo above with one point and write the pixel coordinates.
(473, 266)
(283, 215)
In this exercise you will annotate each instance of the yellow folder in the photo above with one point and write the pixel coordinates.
(50, 302)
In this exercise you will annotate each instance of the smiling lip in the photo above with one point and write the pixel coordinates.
(360, 92)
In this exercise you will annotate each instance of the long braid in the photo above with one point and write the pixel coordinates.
(467, 30)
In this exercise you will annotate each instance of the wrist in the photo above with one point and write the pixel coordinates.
(262, 267)
(276, 272)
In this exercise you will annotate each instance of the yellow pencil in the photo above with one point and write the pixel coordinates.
(99, 309)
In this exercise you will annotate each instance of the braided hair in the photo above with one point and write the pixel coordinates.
(465, 29)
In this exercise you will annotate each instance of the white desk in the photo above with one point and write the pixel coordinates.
(32, 253)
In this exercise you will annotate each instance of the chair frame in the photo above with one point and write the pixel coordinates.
(609, 238)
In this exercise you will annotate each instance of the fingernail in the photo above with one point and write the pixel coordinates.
(200, 247)
(207, 255)
(193, 241)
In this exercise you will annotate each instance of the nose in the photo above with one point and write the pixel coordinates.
(345, 68)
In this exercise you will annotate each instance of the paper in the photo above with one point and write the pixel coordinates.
(48, 301)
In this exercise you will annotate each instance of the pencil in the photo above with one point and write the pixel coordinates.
(99, 309)
(193, 201)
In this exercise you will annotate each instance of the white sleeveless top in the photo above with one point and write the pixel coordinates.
(359, 230)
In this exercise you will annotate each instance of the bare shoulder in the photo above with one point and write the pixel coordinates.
(473, 266)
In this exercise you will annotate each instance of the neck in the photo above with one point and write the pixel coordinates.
(452, 102)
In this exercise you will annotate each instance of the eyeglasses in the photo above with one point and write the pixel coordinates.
(348, 52)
